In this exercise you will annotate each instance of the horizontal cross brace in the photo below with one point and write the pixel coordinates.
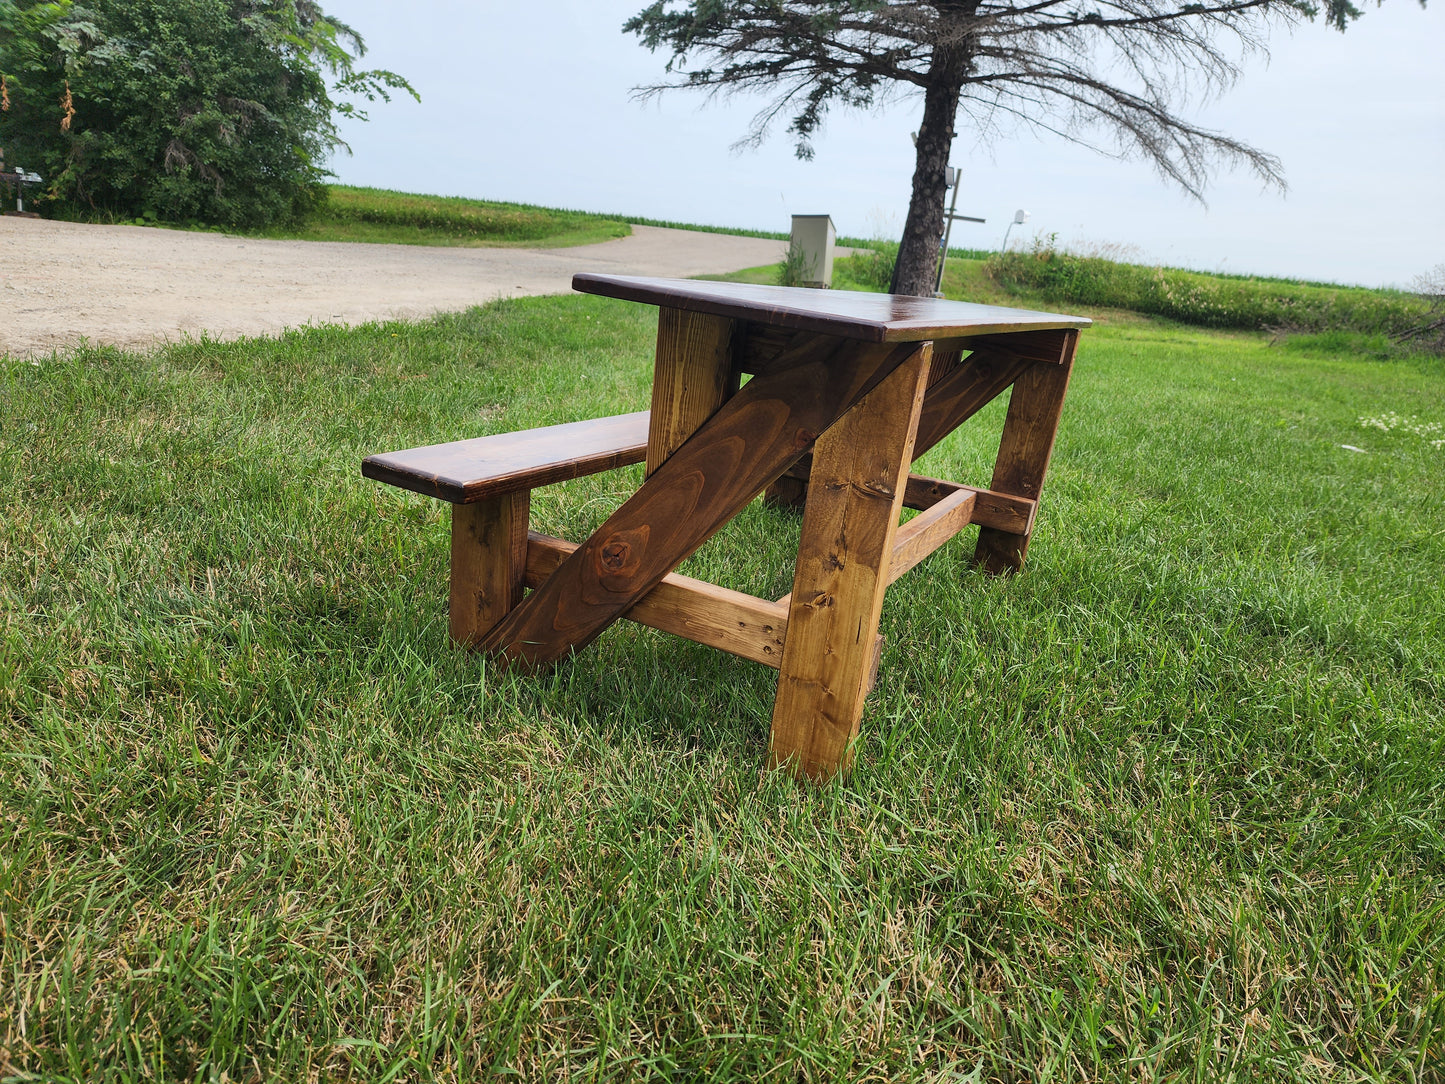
(731, 621)
(1001, 511)
(928, 530)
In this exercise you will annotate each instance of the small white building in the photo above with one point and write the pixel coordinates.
(814, 235)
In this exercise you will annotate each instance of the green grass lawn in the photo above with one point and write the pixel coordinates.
(1167, 806)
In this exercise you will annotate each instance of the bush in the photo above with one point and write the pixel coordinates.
(794, 268)
(871, 270)
(1192, 297)
(217, 111)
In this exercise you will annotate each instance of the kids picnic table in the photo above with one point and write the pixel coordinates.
(844, 391)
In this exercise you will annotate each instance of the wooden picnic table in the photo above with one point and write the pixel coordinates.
(842, 392)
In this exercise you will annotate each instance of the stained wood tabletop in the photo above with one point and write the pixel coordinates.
(864, 317)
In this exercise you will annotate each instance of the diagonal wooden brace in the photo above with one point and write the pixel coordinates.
(706, 481)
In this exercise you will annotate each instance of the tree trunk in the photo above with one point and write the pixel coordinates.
(916, 271)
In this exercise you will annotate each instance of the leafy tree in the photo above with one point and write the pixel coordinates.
(221, 111)
(1123, 68)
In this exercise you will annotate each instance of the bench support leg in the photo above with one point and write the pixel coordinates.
(860, 473)
(489, 556)
(1034, 407)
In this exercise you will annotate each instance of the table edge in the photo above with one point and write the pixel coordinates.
(621, 288)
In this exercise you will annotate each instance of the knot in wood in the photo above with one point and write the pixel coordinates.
(804, 437)
(615, 554)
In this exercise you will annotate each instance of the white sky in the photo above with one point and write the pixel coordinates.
(531, 103)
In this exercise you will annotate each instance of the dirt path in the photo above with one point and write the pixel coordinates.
(134, 286)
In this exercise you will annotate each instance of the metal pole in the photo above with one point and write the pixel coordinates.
(948, 229)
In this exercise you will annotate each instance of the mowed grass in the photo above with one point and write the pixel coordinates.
(1167, 806)
(404, 218)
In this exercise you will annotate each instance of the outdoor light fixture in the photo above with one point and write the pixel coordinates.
(1020, 217)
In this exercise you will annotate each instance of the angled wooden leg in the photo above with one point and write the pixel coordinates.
(489, 557)
(747, 443)
(1034, 407)
(860, 472)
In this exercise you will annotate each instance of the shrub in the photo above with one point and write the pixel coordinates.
(1206, 300)
(871, 270)
(795, 267)
(218, 111)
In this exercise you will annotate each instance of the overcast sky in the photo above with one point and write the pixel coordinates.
(531, 102)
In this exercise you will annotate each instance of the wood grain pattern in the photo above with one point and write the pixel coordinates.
(786, 492)
(739, 450)
(1034, 408)
(963, 391)
(925, 532)
(489, 554)
(691, 378)
(946, 358)
(463, 471)
(1048, 346)
(759, 346)
(859, 316)
(731, 621)
(860, 467)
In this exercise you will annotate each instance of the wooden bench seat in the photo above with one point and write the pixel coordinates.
(469, 471)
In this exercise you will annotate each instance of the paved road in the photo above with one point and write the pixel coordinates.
(135, 286)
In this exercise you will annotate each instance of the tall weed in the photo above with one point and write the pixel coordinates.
(870, 270)
(796, 269)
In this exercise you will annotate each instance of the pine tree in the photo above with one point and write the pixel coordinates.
(1125, 69)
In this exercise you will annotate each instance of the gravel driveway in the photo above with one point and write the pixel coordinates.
(134, 286)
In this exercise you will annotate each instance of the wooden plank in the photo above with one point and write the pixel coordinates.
(786, 492)
(928, 530)
(691, 378)
(1048, 346)
(946, 358)
(489, 554)
(731, 621)
(963, 391)
(1003, 511)
(760, 345)
(860, 468)
(464, 471)
(1027, 443)
(858, 316)
(745, 445)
